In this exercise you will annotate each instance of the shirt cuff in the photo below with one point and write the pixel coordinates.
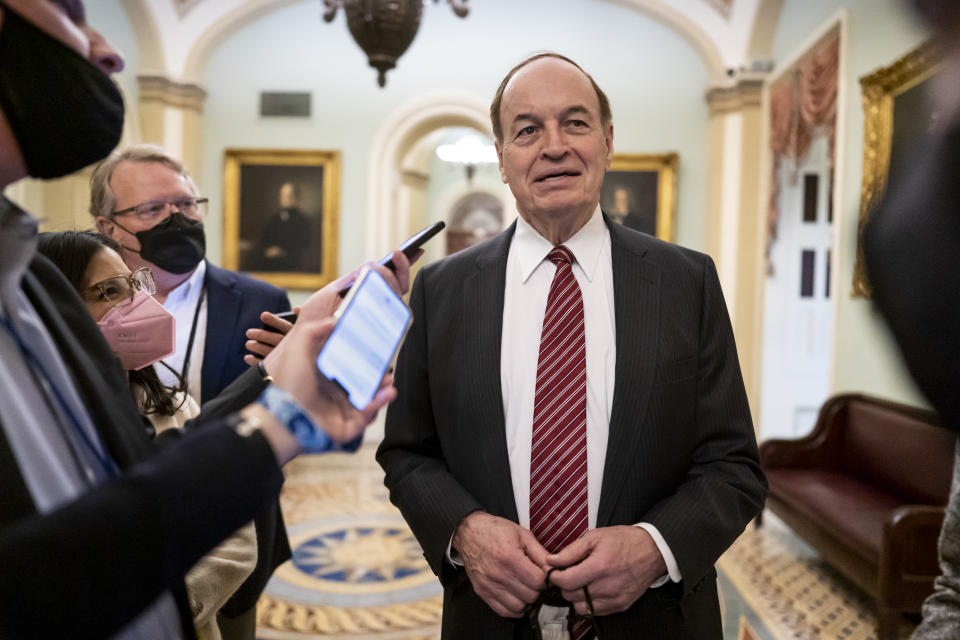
(453, 556)
(673, 571)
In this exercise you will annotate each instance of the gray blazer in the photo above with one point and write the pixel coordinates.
(682, 454)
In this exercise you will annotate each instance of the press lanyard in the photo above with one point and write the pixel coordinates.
(193, 334)
(106, 462)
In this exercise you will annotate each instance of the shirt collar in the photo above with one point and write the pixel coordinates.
(586, 245)
(189, 289)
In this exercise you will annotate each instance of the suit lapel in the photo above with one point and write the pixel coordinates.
(636, 295)
(483, 329)
(221, 327)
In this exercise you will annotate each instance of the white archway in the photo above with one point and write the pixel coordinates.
(387, 223)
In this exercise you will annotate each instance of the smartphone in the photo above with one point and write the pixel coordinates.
(289, 316)
(412, 244)
(371, 324)
(409, 247)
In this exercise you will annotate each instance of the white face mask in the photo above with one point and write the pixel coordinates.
(140, 333)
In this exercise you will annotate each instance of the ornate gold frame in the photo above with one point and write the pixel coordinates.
(880, 88)
(234, 159)
(665, 164)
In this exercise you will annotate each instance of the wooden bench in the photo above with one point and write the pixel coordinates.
(867, 490)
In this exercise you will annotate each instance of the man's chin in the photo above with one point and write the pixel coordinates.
(562, 208)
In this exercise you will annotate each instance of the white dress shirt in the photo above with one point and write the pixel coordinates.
(182, 303)
(528, 280)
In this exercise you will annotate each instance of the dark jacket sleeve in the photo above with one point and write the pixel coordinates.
(86, 569)
(420, 483)
(238, 394)
(724, 487)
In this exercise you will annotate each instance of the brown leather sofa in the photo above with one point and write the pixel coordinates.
(867, 489)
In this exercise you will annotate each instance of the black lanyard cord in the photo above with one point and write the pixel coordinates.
(182, 376)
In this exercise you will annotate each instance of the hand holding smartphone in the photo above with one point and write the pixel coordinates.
(409, 248)
(289, 316)
(371, 324)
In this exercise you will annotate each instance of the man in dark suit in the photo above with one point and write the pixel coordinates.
(145, 199)
(285, 239)
(570, 409)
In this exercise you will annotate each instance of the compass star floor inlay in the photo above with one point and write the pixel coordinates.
(357, 571)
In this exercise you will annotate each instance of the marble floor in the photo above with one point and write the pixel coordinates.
(357, 572)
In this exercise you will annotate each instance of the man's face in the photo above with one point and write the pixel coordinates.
(64, 20)
(555, 149)
(288, 195)
(135, 183)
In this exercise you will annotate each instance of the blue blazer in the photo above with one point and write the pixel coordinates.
(234, 304)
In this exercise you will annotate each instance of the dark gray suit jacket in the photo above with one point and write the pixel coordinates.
(682, 454)
(88, 568)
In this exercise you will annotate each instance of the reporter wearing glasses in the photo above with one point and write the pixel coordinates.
(145, 200)
(140, 330)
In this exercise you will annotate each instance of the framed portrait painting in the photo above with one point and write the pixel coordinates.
(281, 211)
(897, 115)
(639, 191)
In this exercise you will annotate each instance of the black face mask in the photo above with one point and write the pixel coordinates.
(64, 112)
(176, 245)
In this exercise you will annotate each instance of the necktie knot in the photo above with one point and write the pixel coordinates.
(560, 254)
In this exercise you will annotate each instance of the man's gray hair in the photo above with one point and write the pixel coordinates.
(102, 200)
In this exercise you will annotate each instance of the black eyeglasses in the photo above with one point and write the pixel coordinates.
(120, 289)
(155, 210)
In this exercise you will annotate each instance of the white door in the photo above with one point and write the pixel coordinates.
(798, 321)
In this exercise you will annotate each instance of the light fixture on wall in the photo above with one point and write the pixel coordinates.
(384, 28)
(470, 150)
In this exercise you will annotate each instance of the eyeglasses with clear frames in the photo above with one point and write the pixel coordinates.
(120, 289)
(157, 209)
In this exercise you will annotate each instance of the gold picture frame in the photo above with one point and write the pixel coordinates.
(279, 207)
(640, 190)
(880, 90)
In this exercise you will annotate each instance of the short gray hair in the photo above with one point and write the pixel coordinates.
(102, 200)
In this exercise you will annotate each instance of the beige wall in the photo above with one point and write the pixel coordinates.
(879, 31)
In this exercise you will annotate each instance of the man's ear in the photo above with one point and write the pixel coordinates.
(499, 148)
(609, 138)
(105, 226)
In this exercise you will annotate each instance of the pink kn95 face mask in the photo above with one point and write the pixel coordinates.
(140, 333)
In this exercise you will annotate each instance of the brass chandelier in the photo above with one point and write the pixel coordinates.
(384, 29)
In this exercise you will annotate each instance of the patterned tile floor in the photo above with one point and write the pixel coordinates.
(358, 573)
(789, 592)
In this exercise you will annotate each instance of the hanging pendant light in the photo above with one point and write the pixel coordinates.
(384, 29)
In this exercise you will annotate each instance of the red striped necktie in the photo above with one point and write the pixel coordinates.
(558, 455)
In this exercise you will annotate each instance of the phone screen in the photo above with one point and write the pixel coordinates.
(364, 340)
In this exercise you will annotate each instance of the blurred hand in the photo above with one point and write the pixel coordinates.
(260, 342)
(616, 564)
(505, 563)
